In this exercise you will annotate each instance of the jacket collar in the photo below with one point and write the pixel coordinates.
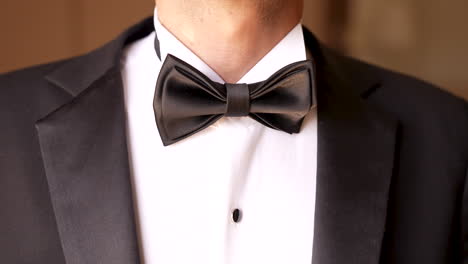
(78, 74)
(84, 150)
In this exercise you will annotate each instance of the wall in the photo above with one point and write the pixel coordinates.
(35, 32)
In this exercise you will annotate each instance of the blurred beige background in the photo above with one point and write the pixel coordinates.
(424, 38)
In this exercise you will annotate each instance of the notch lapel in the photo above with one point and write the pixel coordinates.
(356, 145)
(85, 158)
(84, 150)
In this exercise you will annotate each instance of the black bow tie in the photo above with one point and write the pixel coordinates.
(186, 101)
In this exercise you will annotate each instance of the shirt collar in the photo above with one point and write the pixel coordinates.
(289, 50)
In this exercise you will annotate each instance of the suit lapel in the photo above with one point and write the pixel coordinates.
(356, 145)
(84, 151)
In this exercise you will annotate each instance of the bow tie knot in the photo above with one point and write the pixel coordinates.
(238, 99)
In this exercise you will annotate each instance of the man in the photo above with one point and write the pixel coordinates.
(221, 131)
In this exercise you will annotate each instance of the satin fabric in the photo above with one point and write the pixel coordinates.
(186, 101)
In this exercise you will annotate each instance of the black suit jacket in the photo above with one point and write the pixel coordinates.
(391, 176)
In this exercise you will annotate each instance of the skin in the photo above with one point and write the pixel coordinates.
(231, 36)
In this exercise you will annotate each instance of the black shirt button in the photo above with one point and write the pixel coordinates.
(236, 215)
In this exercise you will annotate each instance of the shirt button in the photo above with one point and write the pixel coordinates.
(236, 215)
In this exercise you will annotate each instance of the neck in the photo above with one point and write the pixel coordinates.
(231, 36)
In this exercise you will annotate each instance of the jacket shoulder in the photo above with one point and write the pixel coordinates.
(396, 89)
(35, 73)
(423, 109)
(26, 94)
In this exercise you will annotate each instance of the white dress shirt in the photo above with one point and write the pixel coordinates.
(185, 193)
